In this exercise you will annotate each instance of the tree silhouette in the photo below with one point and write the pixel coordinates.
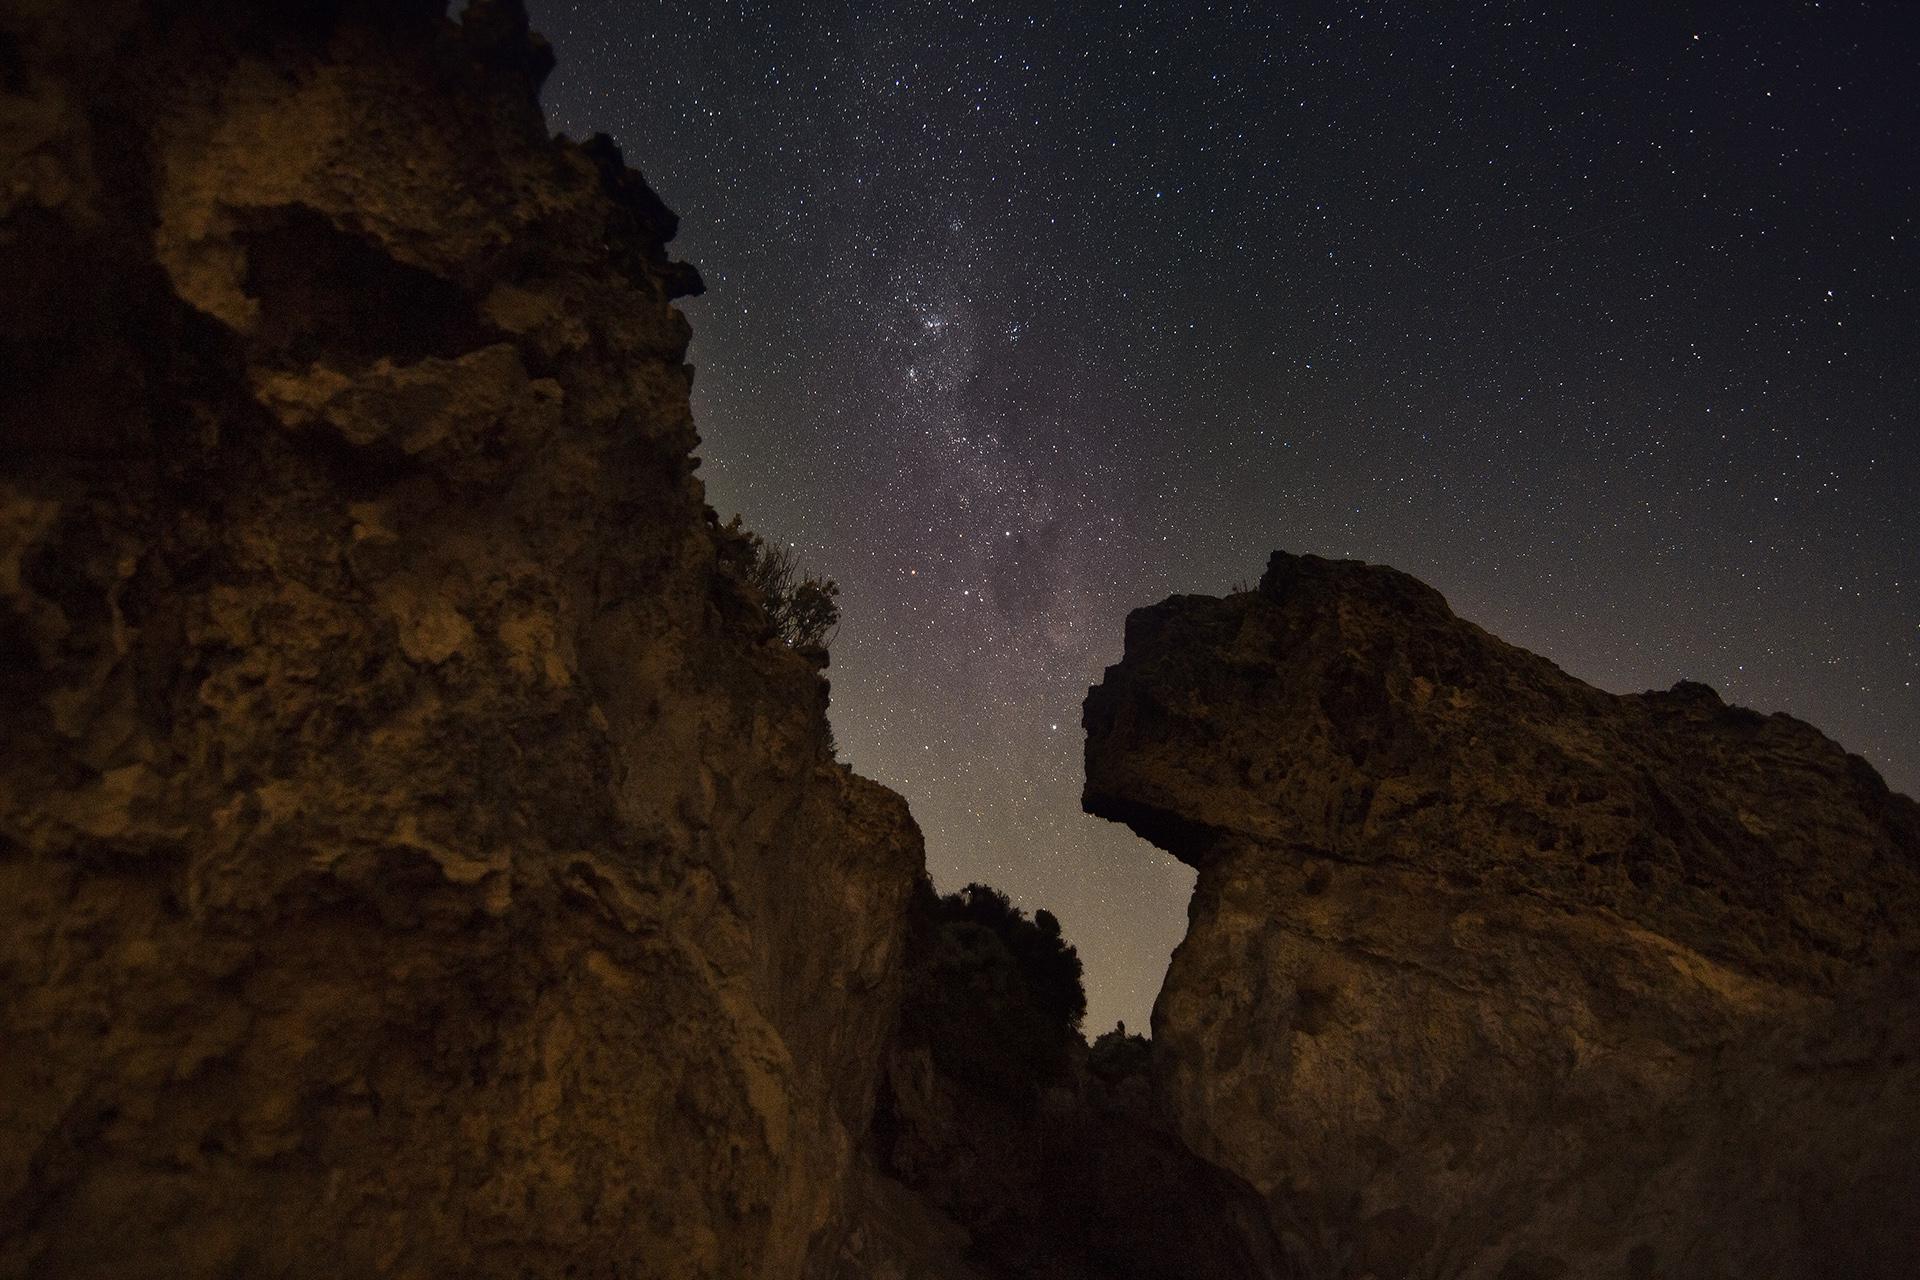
(995, 996)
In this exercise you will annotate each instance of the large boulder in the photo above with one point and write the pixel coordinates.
(1491, 973)
(418, 854)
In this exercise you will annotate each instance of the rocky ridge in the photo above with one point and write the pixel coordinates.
(417, 855)
(1490, 973)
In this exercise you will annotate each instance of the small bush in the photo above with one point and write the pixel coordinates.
(803, 607)
(996, 997)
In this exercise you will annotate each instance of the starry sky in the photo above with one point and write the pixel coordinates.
(1021, 317)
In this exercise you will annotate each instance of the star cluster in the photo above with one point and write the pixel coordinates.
(1020, 318)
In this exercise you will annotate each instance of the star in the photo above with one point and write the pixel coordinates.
(1069, 314)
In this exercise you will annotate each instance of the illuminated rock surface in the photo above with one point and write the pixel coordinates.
(1490, 973)
(416, 857)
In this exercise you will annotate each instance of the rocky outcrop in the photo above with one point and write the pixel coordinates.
(1490, 973)
(418, 857)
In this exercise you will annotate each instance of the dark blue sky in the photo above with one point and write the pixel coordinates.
(1020, 318)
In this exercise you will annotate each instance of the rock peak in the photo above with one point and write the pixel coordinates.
(1288, 575)
(1467, 928)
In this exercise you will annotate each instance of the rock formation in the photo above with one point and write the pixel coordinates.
(1490, 973)
(417, 855)
(422, 855)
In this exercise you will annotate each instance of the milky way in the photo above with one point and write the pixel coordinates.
(1017, 320)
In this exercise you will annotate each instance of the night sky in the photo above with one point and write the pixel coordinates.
(1021, 318)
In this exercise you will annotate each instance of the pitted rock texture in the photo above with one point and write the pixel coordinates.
(417, 855)
(1490, 973)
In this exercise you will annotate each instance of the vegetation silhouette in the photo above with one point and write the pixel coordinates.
(803, 609)
(996, 997)
(1119, 1055)
(1044, 1151)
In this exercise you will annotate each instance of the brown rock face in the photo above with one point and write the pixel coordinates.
(417, 858)
(1493, 974)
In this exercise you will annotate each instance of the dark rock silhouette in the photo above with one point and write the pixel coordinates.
(1492, 973)
(1043, 1164)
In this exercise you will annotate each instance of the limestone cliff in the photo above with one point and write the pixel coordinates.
(1490, 973)
(417, 855)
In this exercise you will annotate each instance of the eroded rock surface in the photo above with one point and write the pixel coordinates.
(1490, 973)
(417, 856)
